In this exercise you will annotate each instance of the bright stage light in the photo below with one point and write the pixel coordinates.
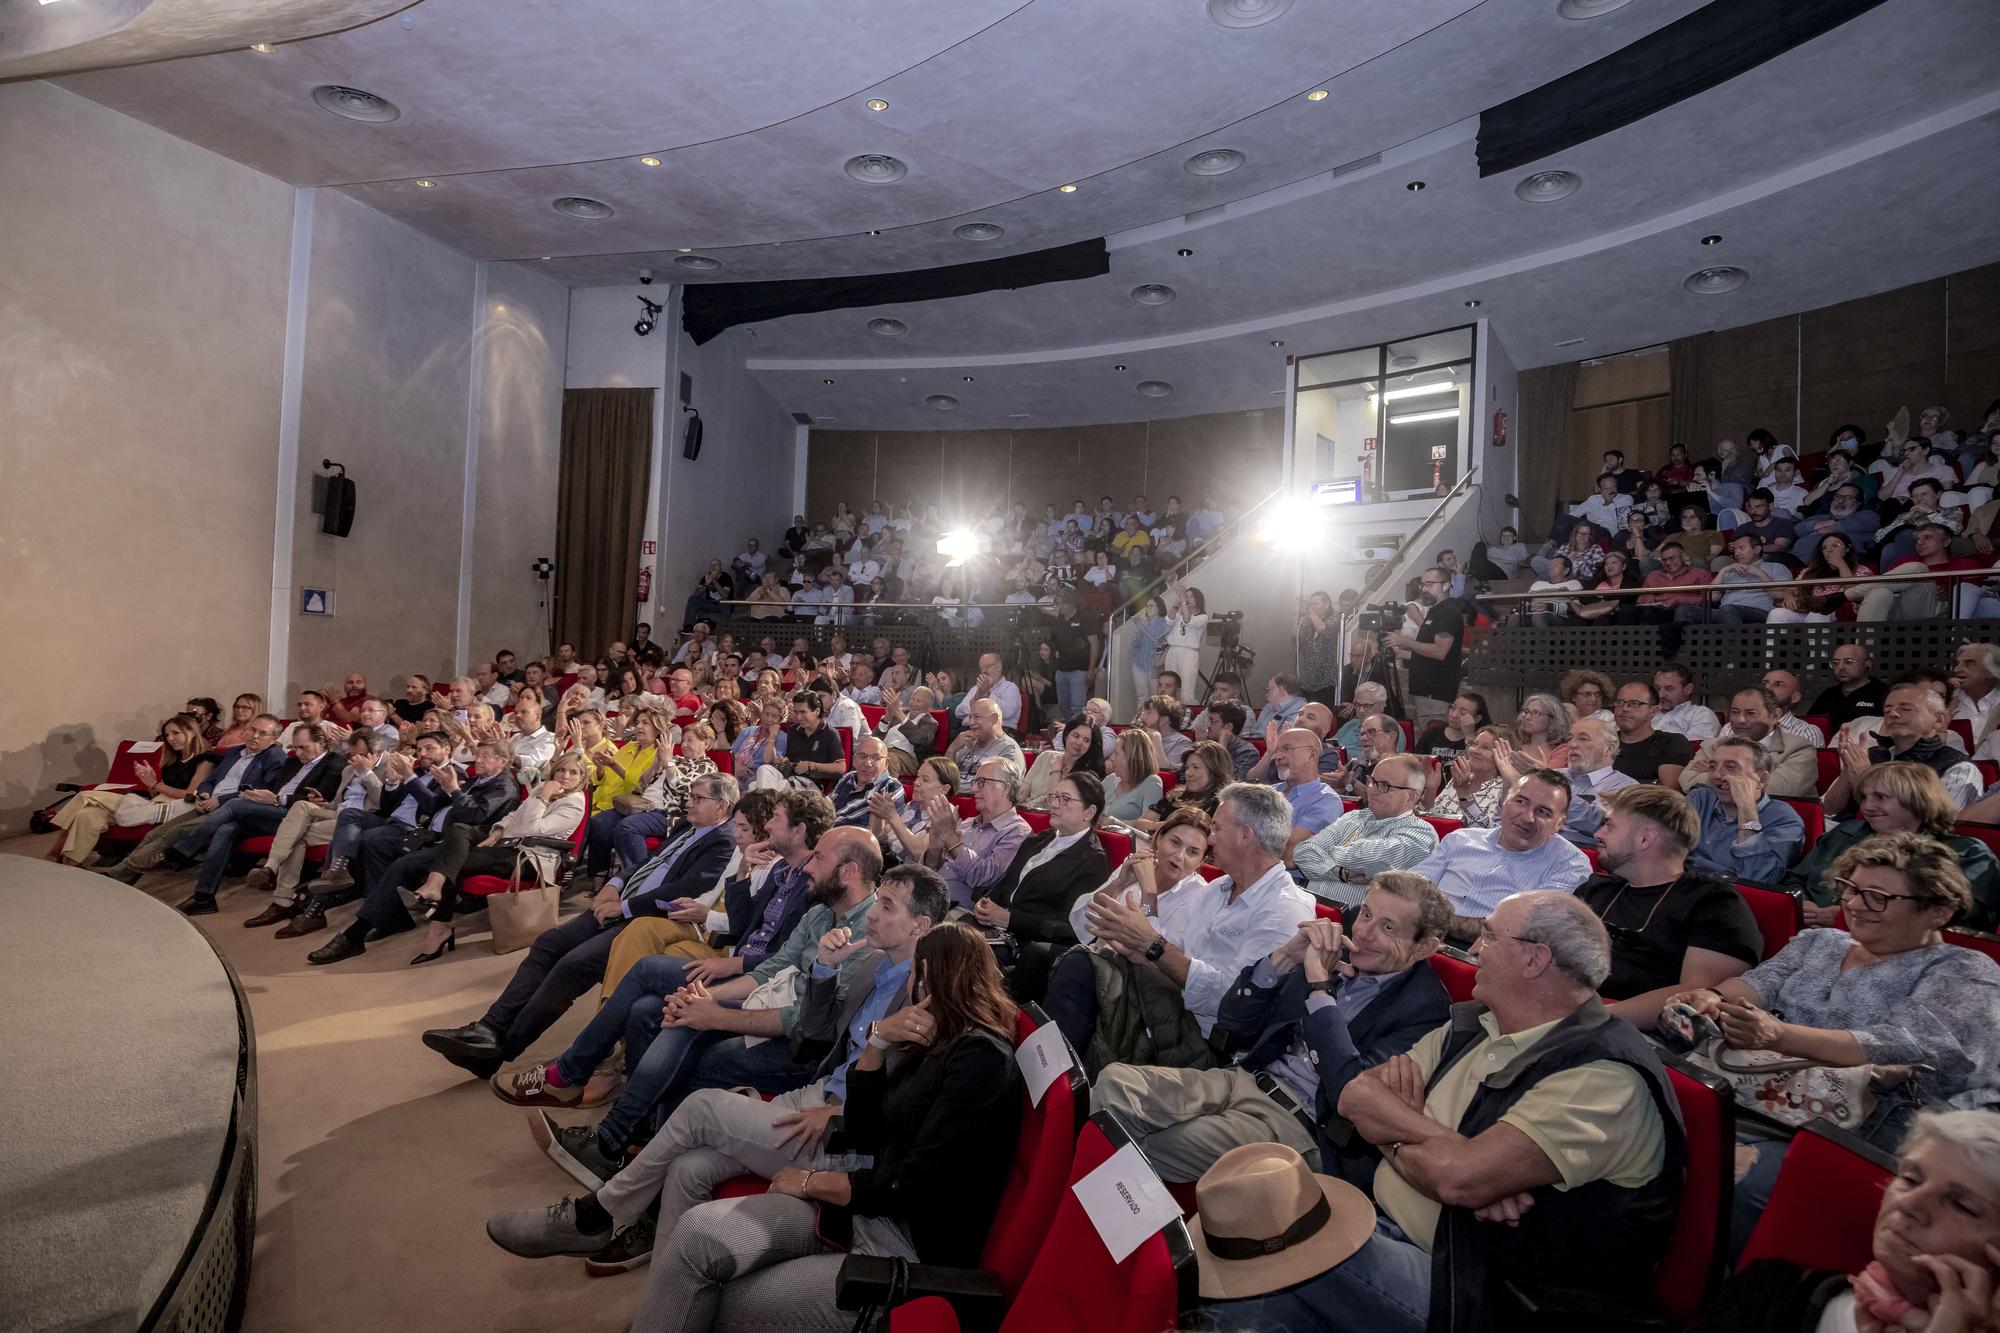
(1292, 523)
(959, 545)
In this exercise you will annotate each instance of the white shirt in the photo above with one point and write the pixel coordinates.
(756, 560)
(1975, 711)
(1059, 844)
(1689, 719)
(496, 697)
(1005, 693)
(1475, 872)
(532, 749)
(1220, 937)
(1789, 499)
(1606, 514)
(1099, 574)
(864, 571)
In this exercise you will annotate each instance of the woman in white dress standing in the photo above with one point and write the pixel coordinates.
(1185, 629)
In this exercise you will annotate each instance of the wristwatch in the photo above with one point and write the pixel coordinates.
(1752, 826)
(1157, 949)
(1324, 986)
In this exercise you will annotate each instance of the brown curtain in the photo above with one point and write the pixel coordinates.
(1691, 389)
(1548, 395)
(607, 464)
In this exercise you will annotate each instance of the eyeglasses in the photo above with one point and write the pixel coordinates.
(1630, 703)
(1377, 785)
(1873, 899)
(1487, 934)
(996, 782)
(1060, 798)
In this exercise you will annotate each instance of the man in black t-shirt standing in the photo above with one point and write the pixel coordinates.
(1646, 755)
(1438, 650)
(1075, 637)
(1671, 929)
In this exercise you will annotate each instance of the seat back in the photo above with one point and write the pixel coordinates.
(943, 730)
(1779, 915)
(1812, 816)
(1117, 846)
(1823, 1205)
(724, 761)
(1829, 769)
(1698, 1247)
(1038, 820)
(126, 759)
(872, 714)
(1986, 833)
(1209, 871)
(1168, 780)
(1074, 1287)
(1039, 1176)
(1822, 721)
(1975, 939)
(1443, 826)
(1457, 974)
(1965, 738)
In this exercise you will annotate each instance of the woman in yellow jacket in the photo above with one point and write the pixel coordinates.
(617, 770)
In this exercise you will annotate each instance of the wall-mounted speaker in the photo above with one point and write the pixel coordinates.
(691, 436)
(338, 516)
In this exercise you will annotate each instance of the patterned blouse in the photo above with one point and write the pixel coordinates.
(1479, 810)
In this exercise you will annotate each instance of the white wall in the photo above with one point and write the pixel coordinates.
(1499, 468)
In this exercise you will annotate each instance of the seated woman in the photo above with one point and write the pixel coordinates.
(619, 785)
(1543, 723)
(1205, 772)
(1897, 798)
(1470, 789)
(1700, 542)
(905, 834)
(1134, 785)
(1031, 901)
(763, 743)
(1834, 559)
(242, 716)
(1587, 693)
(165, 783)
(1618, 573)
(1936, 1248)
(1887, 992)
(933, 1101)
(1079, 752)
(551, 811)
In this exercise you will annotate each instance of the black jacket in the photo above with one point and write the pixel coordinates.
(1039, 903)
(482, 801)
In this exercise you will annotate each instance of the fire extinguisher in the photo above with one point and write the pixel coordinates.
(1500, 428)
(645, 583)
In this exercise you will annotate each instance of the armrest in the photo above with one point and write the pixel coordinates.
(868, 1280)
(1574, 1310)
(551, 844)
(68, 786)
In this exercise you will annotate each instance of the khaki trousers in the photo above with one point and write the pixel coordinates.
(1187, 1118)
(650, 935)
(305, 825)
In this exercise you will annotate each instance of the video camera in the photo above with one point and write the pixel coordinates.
(1379, 617)
(1225, 618)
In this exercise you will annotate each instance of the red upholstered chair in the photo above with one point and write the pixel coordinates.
(872, 714)
(1117, 846)
(1964, 730)
(1829, 769)
(724, 761)
(1074, 1287)
(1211, 873)
(1443, 826)
(1823, 1206)
(122, 776)
(1037, 819)
(943, 730)
(1822, 721)
(1989, 772)
(1257, 744)
(1168, 778)
(1409, 733)
(1986, 833)
(846, 745)
(1779, 915)
(1986, 943)
(1457, 972)
(963, 804)
(482, 886)
(1814, 818)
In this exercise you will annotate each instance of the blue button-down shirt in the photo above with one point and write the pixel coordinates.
(1314, 804)
(889, 979)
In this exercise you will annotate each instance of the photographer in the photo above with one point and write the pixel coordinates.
(1437, 651)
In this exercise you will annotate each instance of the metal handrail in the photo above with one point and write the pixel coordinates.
(1705, 589)
(1208, 545)
(1374, 586)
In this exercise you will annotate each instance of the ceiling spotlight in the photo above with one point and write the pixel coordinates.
(647, 316)
(1067, 189)
(1154, 388)
(699, 263)
(874, 231)
(877, 104)
(649, 161)
(1277, 342)
(876, 168)
(1588, 9)
(888, 328)
(1545, 187)
(979, 231)
(1153, 293)
(1473, 304)
(1246, 13)
(576, 206)
(1715, 281)
(1316, 95)
(261, 48)
(1213, 162)
(966, 378)
(826, 381)
(1184, 252)
(1119, 366)
(426, 185)
(1414, 186)
(355, 104)
(1713, 238)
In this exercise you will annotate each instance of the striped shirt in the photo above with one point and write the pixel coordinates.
(1360, 842)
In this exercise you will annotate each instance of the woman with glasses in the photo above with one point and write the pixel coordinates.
(1587, 694)
(1543, 723)
(1897, 798)
(1052, 869)
(242, 715)
(1887, 992)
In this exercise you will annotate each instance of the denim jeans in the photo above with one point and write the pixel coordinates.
(562, 963)
(215, 837)
(1384, 1287)
(1071, 693)
(642, 992)
(1742, 615)
(629, 840)
(347, 831)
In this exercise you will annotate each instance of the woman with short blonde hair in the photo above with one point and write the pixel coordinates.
(1133, 786)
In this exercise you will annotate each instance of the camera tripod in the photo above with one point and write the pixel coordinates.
(1232, 656)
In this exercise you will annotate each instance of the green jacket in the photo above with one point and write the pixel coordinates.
(1814, 879)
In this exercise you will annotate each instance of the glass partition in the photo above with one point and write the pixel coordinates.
(1389, 421)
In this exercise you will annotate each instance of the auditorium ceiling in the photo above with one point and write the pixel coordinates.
(746, 141)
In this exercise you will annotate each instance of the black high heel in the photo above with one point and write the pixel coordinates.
(450, 945)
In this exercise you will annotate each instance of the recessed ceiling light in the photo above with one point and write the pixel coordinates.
(877, 104)
(1588, 9)
(1154, 388)
(700, 263)
(576, 206)
(1185, 253)
(874, 231)
(888, 328)
(1213, 162)
(1570, 342)
(826, 381)
(1713, 238)
(1473, 304)
(355, 103)
(1715, 281)
(876, 168)
(426, 185)
(1277, 342)
(979, 231)
(1316, 95)
(1153, 293)
(546, 258)
(686, 249)
(261, 48)
(1545, 187)
(1246, 13)
(943, 402)
(1119, 366)
(966, 378)
(1414, 186)
(1067, 189)
(649, 161)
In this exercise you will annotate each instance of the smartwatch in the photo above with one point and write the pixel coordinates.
(1157, 949)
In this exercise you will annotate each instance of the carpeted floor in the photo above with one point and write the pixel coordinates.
(379, 1162)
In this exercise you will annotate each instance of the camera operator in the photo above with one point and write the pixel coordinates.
(1437, 651)
(1077, 640)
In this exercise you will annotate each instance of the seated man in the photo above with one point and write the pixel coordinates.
(1226, 720)
(981, 741)
(716, 1134)
(1383, 833)
(732, 1037)
(812, 748)
(312, 772)
(1924, 598)
(993, 685)
(869, 775)
(1915, 728)
(568, 959)
(1283, 698)
(1163, 717)
(1579, 1152)
(315, 710)
(1593, 748)
(1225, 687)
(1320, 1008)
(1313, 804)
(1476, 867)
(1314, 717)
(387, 793)
(1191, 934)
(1672, 929)
(1379, 736)
(310, 821)
(1371, 699)
(908, 730)
(1678, 710)
(973, 853)
(1745, 834)
(1753, 717)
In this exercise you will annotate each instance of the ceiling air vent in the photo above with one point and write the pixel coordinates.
(355, 103)
(877, 169)
(1358, 164)
(979, 231)
(1545, 187)
(1213, 162)
(888, 328)
(699, 263)
(576, 206)
(943, 402)
(1154, 388)
(1153, 293)
(1246, 13)
(1715, 281)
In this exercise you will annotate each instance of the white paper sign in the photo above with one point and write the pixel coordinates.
(1044, 1058)
(1125, 1201)
(144, 747)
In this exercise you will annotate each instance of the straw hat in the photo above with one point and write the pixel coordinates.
(1267, 1222)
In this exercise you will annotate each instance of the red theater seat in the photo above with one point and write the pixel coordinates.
(1038, 820)
(1211, 873)
(1409, 734)
(1823, 1206)
(1168, 779)
(1981, 940)
(1779, 915)
(1457, 974)
(485, 885)
(1814, 818)
(1443, 826)
(1829, 769)
(872, 714)
(1964, 730)
(1822, 721)
(1117, 846)
(1986, 833)
(724, 761)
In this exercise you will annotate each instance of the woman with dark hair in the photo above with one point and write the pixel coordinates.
(727, 718)
(1835, 559)
(1081, 751)
(166, 782)
(1204, 773)
(1185, 629)
(1619, 572)
(207, 712)
(1031, 901)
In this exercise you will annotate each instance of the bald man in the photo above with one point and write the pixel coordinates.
(1295, 755)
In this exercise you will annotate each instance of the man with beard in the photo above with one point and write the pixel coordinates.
(1437, 651)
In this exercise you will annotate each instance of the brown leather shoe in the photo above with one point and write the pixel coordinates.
(263, 879)
(307, 922)
(272, 914)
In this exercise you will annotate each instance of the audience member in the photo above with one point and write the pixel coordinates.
(1379, 738)
(868, 778)
(1678, 710)
(991, 684)
(1746, 834)
(1207, 772)
(983, 740)
(1593, 751)
(1897, 798)
(1314, 805)
(1477, 867)
(1543, 725)
(1162, 716)
(1384, 833)
(974, 852)
(1030, 901)
(251, 766)
(1437, 650)
(1282, 701)
(1132, 785)
(1753, 715)
(1470, 787)
(1646, 755)
(1225, 722)
(165, 790)
(1915, 722)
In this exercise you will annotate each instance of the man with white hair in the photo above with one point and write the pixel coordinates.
(991, 684)
(1532, 1107)
(1371, 699)
(980, 741)
(1593, 747)
(1915, 723)
(1385, 833)
(973, 853)
(1476, 867)
(1975, 678)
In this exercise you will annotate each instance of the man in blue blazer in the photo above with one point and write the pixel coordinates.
(1325, 1005)
(256, 765)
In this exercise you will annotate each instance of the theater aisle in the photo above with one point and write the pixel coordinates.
(378, 1162)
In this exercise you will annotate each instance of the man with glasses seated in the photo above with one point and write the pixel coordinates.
(1384, 834)
(1477, 867)
(973, 853)
(1644, 753)
(254, 765)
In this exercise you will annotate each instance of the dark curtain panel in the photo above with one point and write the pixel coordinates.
(1690, 55)
(1548, 396)
(607, 465)
(1691, 390)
